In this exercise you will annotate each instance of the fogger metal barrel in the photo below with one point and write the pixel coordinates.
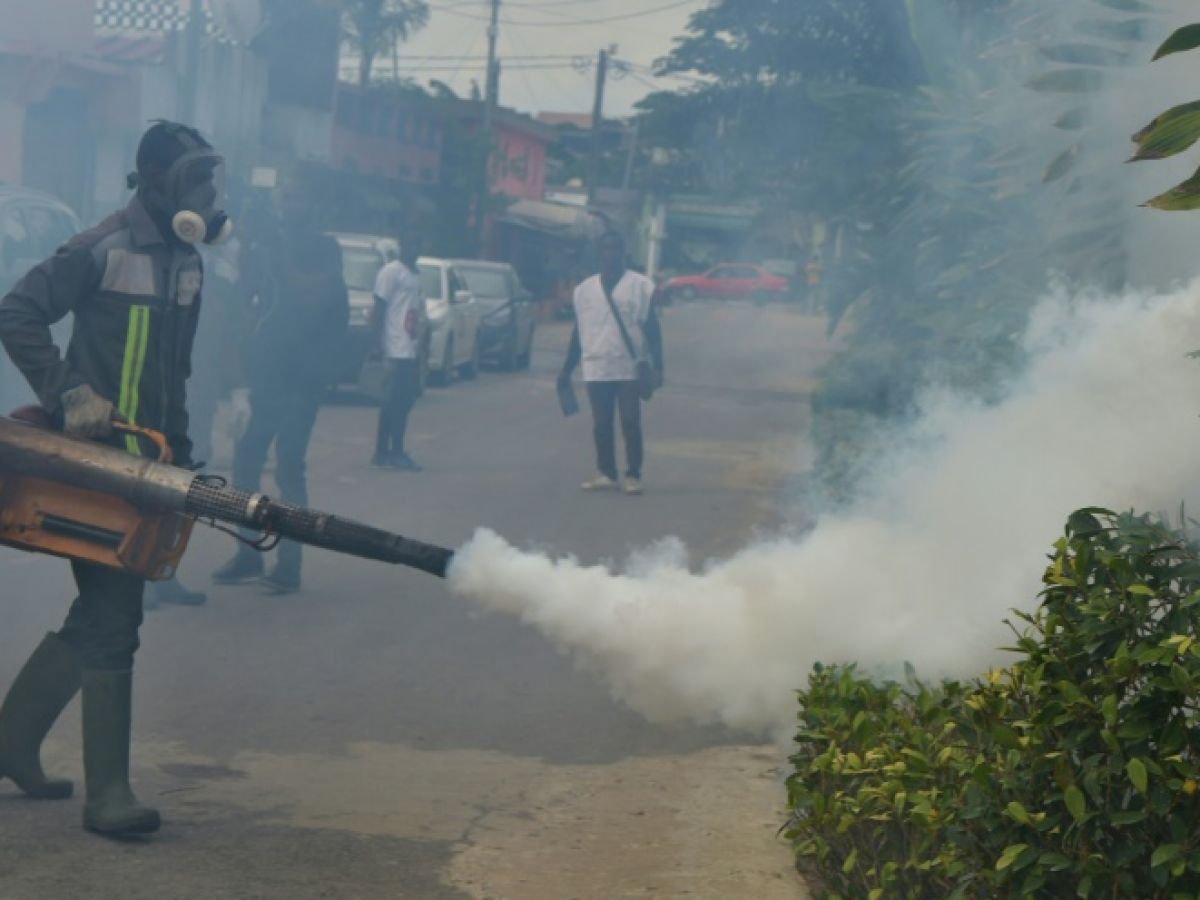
(157, 489)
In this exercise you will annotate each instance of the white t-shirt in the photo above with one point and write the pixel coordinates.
(400, 289)
(604, 354)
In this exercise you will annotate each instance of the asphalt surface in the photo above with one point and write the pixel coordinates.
(375, 736)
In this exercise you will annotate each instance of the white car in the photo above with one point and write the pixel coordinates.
(454, 318)
(363, 255)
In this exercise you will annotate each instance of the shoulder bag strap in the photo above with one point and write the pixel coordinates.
(620, 322)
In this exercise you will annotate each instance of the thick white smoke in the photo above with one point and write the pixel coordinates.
(925, 567)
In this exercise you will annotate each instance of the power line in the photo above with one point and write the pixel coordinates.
(450, 10)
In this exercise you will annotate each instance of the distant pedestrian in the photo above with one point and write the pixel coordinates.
(292, 359)
(400, 326)
(616, 333)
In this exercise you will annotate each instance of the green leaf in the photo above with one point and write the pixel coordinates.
(851, 861)
(1019, 813)
(1165, 854)
(1076, 804)
(1109, 708)
(1185, 38)
(1128, 817)
(1136, 770)
(1009, 856)
(1168, 135)
(1183, 197)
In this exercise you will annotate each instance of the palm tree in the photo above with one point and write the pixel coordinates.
(372, 27)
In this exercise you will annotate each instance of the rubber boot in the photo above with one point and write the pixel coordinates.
(111, 808)
(43, 688)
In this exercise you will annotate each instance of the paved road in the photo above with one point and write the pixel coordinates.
(375, 736)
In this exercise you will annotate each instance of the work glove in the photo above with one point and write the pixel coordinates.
(86, 414)
(239, 413)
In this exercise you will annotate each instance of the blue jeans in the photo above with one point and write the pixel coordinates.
(285, 419)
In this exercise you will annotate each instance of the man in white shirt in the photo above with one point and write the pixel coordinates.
(400, 312)
(610, 361)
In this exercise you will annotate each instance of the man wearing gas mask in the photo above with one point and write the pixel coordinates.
(133, 284)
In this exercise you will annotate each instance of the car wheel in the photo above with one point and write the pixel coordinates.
(687, 294)
(471, 368)
(443, 376)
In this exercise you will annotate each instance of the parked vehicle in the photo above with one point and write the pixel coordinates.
(507, 324)
(454, 321)
(730, 281)
(32, 226)
(363, 255)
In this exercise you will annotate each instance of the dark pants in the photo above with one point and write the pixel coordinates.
(286, 419)
(400, 394)
(102, 624)
(606, 397)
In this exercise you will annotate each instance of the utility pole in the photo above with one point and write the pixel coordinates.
(491, 96)
(593, 179)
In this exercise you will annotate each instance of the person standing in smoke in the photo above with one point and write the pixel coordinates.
(133, 284)
(292, 359)
(610, 349)
(400, 325)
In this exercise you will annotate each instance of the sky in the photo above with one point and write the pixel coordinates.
(551, 46)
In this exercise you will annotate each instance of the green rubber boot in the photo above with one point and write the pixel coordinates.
(111, 808)
(42, 690)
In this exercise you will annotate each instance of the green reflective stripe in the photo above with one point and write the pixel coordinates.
(136, 339)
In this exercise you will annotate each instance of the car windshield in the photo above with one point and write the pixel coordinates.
(431, 282)
(360, 265)
(486, 283)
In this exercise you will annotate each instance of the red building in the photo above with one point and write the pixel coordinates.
(386, 134)
(519, 149)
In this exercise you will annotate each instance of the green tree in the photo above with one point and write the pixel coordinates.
(373, 27)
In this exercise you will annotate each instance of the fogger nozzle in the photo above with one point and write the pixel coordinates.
(157, 487)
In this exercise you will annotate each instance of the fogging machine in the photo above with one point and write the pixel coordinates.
(87, 501)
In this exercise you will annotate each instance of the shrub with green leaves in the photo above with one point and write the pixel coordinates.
(1072, 773)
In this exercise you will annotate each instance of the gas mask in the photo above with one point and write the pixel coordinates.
(189, 194)
(195, 185)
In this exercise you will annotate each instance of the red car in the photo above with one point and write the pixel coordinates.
(730, 280)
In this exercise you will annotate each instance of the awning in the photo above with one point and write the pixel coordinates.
(558, 219)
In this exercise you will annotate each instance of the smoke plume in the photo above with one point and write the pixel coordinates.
(950, 535)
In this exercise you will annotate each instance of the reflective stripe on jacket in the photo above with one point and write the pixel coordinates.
(135, 298)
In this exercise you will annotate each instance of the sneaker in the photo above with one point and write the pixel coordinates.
(633, 486)
(404, 463)
(401, 462)
(242, 568)
(279, 584)
(600, 483)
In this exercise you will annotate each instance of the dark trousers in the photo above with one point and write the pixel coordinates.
(400, 395)
(606, 398)
(286, 419)
(102, 624)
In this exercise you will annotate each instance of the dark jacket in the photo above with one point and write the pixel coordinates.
(299, 344)
(136, 300)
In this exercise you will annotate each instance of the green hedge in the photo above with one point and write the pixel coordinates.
(1072, 773)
